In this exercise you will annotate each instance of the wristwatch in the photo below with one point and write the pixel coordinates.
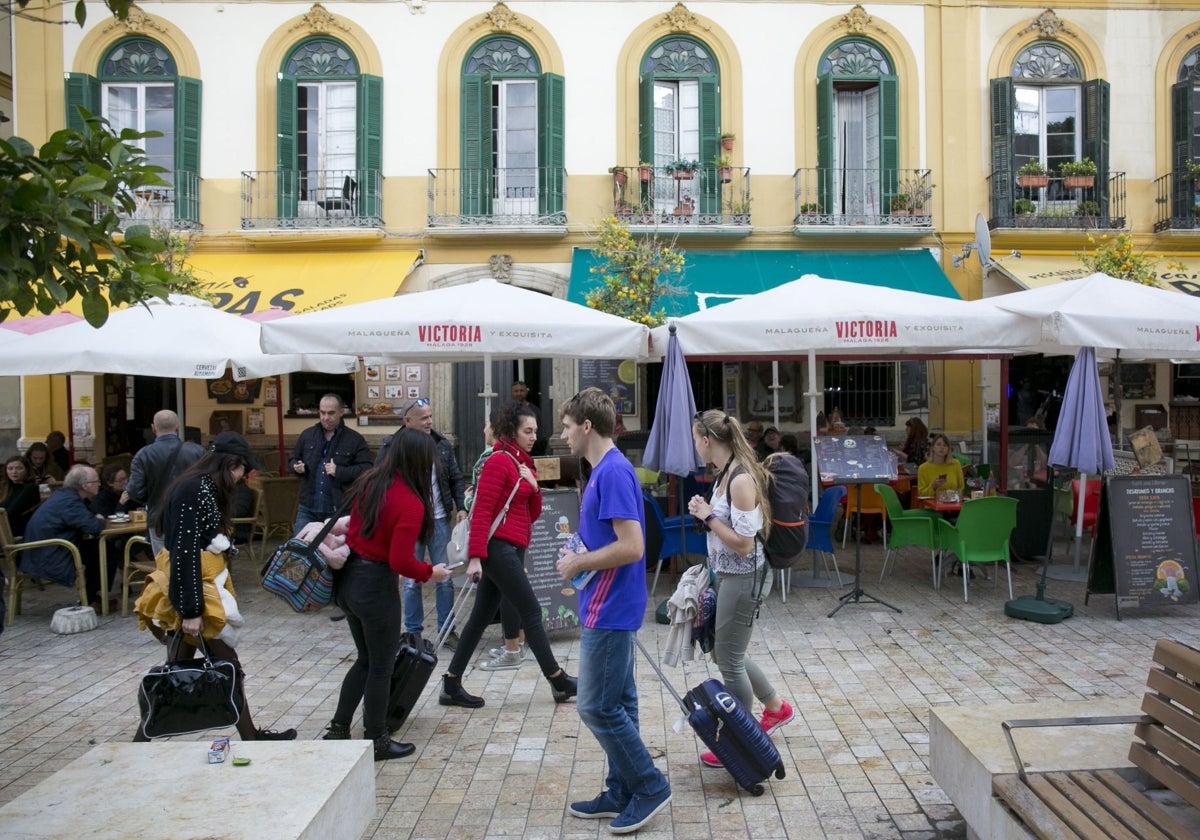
(711, 516)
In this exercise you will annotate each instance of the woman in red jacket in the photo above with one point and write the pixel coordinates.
(501, 559)
(390, 515)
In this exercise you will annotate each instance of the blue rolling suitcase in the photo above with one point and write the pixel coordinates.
(728, 729)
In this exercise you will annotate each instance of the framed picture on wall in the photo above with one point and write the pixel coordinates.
(758, 397)
(225, 420)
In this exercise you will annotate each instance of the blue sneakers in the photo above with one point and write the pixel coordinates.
(639, 811)
(603, 806)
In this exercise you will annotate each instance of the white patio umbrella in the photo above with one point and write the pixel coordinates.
(814, 315)
(484, 319)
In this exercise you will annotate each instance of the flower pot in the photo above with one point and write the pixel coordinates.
(683, 174)
(1033, 181)
(620, 178)
(1079, 182)
(727, 144)
(725, 174)
(645, 173)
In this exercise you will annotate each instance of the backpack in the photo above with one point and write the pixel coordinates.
(788, 493)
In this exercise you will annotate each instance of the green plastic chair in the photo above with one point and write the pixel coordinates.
(908, 528)
(964, 461)
(981, 535)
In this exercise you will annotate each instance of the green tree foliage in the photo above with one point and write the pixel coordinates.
(59, 224)
(635, 275)
(40, 9)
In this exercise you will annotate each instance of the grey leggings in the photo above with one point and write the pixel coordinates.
(734, 624)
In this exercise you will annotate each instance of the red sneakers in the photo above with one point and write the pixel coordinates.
(773, 720)
(710, 760)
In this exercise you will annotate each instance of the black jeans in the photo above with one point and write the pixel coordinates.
(369, 594)
(504, 578)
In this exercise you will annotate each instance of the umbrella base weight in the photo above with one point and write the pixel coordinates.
(1041, 610)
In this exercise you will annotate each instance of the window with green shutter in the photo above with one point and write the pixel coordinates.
(858, 130)
(1185, 134)
(511, 135)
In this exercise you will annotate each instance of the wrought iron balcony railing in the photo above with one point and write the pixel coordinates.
(1177, 202)
(1050, 202)
(896, 198)
(173, 206)
(707, 195)
(518, 196)
(312, 198)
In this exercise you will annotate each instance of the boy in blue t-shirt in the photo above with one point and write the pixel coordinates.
(611, 607)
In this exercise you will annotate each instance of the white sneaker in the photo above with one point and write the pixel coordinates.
(504, 661)
(526, 653)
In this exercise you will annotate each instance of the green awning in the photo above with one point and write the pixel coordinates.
(713, 277)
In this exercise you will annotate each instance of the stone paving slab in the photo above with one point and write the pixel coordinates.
(857, 754)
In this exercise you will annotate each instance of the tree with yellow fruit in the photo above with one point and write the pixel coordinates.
(635, 275)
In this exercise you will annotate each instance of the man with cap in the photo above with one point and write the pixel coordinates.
(769, 444)
(156, 466)
(328, 457)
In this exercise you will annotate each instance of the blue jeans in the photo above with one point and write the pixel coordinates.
(608, 705)
(414, 608)
(305, 515)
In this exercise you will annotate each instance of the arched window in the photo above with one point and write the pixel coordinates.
(511, 124)
(679, 108)
(858, 128)
(1185, 113)
(1045, 112)
(137, 86)
(329, 134)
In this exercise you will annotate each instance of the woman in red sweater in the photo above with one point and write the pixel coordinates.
(500, 557)
(390, 515)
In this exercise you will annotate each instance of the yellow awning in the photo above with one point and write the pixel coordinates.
(256, 282)
(1034, 272)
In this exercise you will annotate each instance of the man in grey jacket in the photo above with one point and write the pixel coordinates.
(156, 466)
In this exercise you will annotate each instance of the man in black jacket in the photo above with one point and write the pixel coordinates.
(154, 467)
(328, 458)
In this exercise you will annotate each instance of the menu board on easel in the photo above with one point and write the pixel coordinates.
(1145, 553)
(559, 519)
(854, 459)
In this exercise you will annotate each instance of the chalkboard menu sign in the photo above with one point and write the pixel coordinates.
(559, 519)
(615, 377)
(1146, 542)
(854, 459)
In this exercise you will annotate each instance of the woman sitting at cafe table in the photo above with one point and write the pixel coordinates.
(940, 471)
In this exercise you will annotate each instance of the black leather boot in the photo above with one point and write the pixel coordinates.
(453, 694)
(336, 732)
(386, 748)
(564, 687)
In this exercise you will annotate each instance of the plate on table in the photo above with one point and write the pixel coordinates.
(119, 517)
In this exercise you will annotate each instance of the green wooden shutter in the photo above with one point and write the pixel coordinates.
(82, 91)
(1182, 129)
(889, 140)
(1095, 136)
(551, 145)
(286, 175)
(646, 138)
(187, 149)
(1002, 148)
(370, 148)
(475, 134)
(710, 143)
(826, 131)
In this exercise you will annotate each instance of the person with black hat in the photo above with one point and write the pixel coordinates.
(195, 519)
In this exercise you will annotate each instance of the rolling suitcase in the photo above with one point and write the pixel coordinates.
(415, 663)
(728, 729)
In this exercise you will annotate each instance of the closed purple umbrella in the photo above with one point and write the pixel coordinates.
(1081, 439)
(670, 448)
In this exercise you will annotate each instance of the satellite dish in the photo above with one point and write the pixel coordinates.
(983, 239)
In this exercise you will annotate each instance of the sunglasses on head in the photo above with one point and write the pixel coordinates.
(417, 403)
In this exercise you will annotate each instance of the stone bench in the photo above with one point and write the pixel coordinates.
(291, 789)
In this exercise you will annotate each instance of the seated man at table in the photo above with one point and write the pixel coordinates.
(67, 515)
(940, 471)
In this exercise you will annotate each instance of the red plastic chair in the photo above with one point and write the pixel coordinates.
(1091, 504)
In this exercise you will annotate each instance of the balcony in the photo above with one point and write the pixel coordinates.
(1177, 201)
(1058, 203)
(523, 199)
(173, 206)
(707, 201)
(892, 203)
(301, 199)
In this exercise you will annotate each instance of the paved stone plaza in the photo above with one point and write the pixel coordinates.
(861, 682)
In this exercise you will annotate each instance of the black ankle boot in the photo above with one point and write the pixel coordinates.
(336, 732)
(564, 687)
(453, 694)
(386, 748)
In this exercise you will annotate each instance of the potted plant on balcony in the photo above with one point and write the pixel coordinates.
(899, 204)
(1033, 175)
(810, 209)
(1191, 172)
(727, 138)
(1078, 174)
(685, 208)
(1088, 212)
(682, 169)
(645, 172)
(1024, 210)
(739, 210)
(724, 168)
(620, 176)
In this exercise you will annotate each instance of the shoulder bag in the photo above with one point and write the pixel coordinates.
(190, 695)
(460, 538)
(298, 573)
